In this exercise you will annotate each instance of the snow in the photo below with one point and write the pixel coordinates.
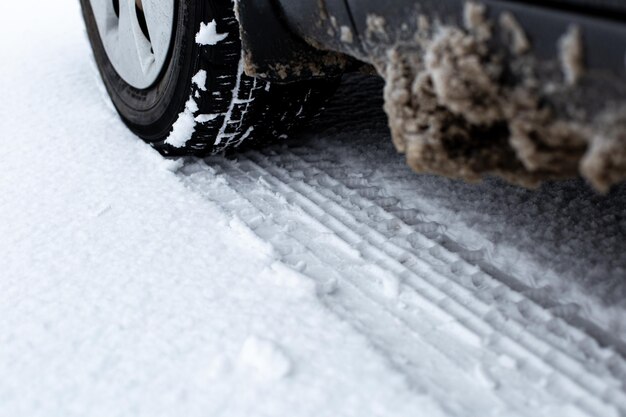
(208, 34)
(275, 284)
(221, 136)
(266, 359)
(185, 125)
(123, 292)
(203, 118)
(199, 80)
(563, 241)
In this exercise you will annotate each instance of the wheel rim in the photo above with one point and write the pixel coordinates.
(136, 35)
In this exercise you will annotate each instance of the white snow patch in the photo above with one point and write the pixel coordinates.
(265, 358)
(203, 118)
(218, 368)
(329, 287)
(251, 240)
(507, 362)
(233, 102)
(172, 164)
(191, 105)
(283, 276)
(185, 125)
(391, 286)
(200, 80)
(247, 134)
(207, 35)
(482, 376)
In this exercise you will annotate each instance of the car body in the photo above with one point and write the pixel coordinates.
(527, 90)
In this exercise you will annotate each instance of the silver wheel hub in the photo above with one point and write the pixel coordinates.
(136, 35)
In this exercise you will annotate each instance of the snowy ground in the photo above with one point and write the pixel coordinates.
(315, 278)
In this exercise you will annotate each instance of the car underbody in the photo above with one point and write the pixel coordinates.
(526, 90)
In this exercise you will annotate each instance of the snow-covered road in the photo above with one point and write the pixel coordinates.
(319, 277)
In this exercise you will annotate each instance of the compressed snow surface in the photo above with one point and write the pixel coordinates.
(265, 358)
(318, 278)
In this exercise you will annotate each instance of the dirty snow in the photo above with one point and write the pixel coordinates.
(571, 55)
(325, 283)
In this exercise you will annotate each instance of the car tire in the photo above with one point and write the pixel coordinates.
(202, 102)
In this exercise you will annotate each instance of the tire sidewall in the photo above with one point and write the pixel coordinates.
(246, 111)
(151, 112)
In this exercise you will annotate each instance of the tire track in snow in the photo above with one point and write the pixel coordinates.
(338, 174)
(562, 245)
(395, 285)
(505, 318)
(452, 255)
(358, 305)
